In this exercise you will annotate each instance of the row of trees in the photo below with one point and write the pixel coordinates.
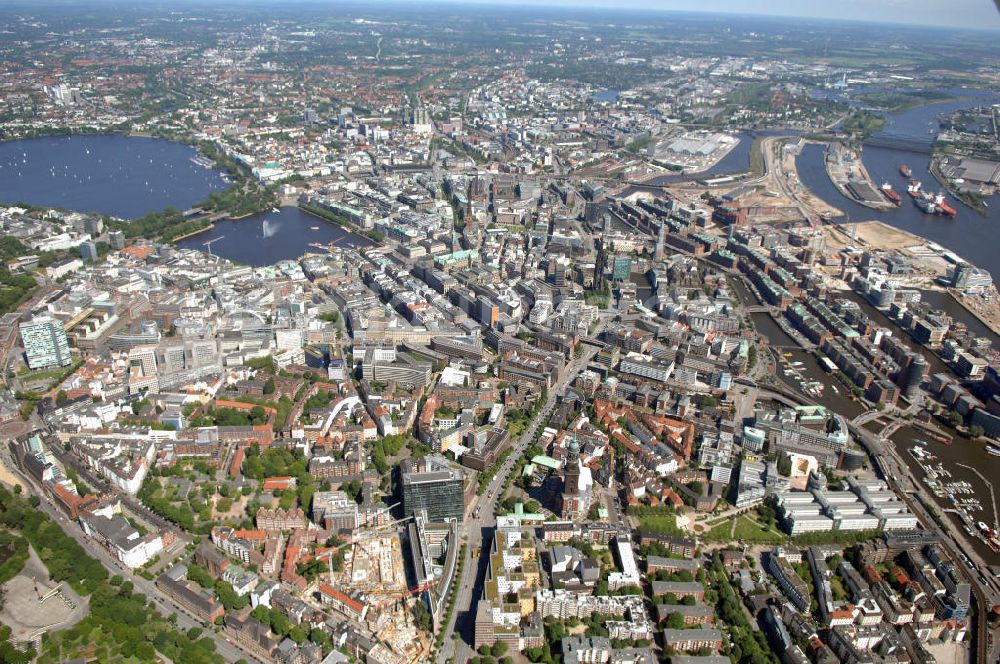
(153, 498)
(282, 626)
(231, 417)
(13, 554)
(165, 226)
(222, 588)
(388, 446)
(747, 644)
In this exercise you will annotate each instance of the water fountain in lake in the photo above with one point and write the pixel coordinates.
(267, 229)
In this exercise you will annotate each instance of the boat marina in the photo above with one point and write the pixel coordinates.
(959, 497)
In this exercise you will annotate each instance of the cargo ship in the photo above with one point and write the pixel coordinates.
(905, 171)
(890, 193)
(929, 203)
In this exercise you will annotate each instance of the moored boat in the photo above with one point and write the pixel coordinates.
(889, 193)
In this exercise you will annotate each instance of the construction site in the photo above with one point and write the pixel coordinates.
(773, 194)
(379, 590)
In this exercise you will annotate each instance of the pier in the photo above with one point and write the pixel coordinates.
(849, 175)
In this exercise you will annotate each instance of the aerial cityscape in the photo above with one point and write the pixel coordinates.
(499, 333)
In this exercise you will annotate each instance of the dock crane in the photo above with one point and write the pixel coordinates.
(209, 243)
(328, 246)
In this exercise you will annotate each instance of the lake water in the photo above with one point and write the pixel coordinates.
(121, 176)
(266, 238)
(127, 176)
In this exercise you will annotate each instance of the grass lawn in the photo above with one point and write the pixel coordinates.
(747, 530)
(837, 588)
(659, 523)
(720, 531)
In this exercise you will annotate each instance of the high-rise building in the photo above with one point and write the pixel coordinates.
(914, 376)
(116, 239)
(430, 484)
(621, 268)
(143, 357)
(557, 270)
(45, 343)
(88, 251)
(960, 277)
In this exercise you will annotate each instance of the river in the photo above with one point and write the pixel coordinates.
(970, 235)
(121, 176)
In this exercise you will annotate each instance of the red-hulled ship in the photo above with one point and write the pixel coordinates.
(890, 193)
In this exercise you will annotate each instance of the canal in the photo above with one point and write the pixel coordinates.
(806, 369)
(965, 463)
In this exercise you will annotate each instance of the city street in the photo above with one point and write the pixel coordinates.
(470, 585)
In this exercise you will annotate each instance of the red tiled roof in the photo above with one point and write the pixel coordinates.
(352, 604)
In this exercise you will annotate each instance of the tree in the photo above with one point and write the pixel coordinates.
(976, 431)
(352, 489)
(279, 622)
(261, 614)
(784, 464)
(269, 386)
(675, 620)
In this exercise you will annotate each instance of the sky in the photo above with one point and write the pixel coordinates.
(982, 14)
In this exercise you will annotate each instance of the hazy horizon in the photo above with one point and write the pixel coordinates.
(969, 14)
(963, 14)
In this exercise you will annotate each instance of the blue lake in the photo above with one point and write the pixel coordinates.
(121, 176)
(269, 237)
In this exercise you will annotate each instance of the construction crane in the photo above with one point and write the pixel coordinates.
(209, 243)
(361, 536)
(405, 594)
